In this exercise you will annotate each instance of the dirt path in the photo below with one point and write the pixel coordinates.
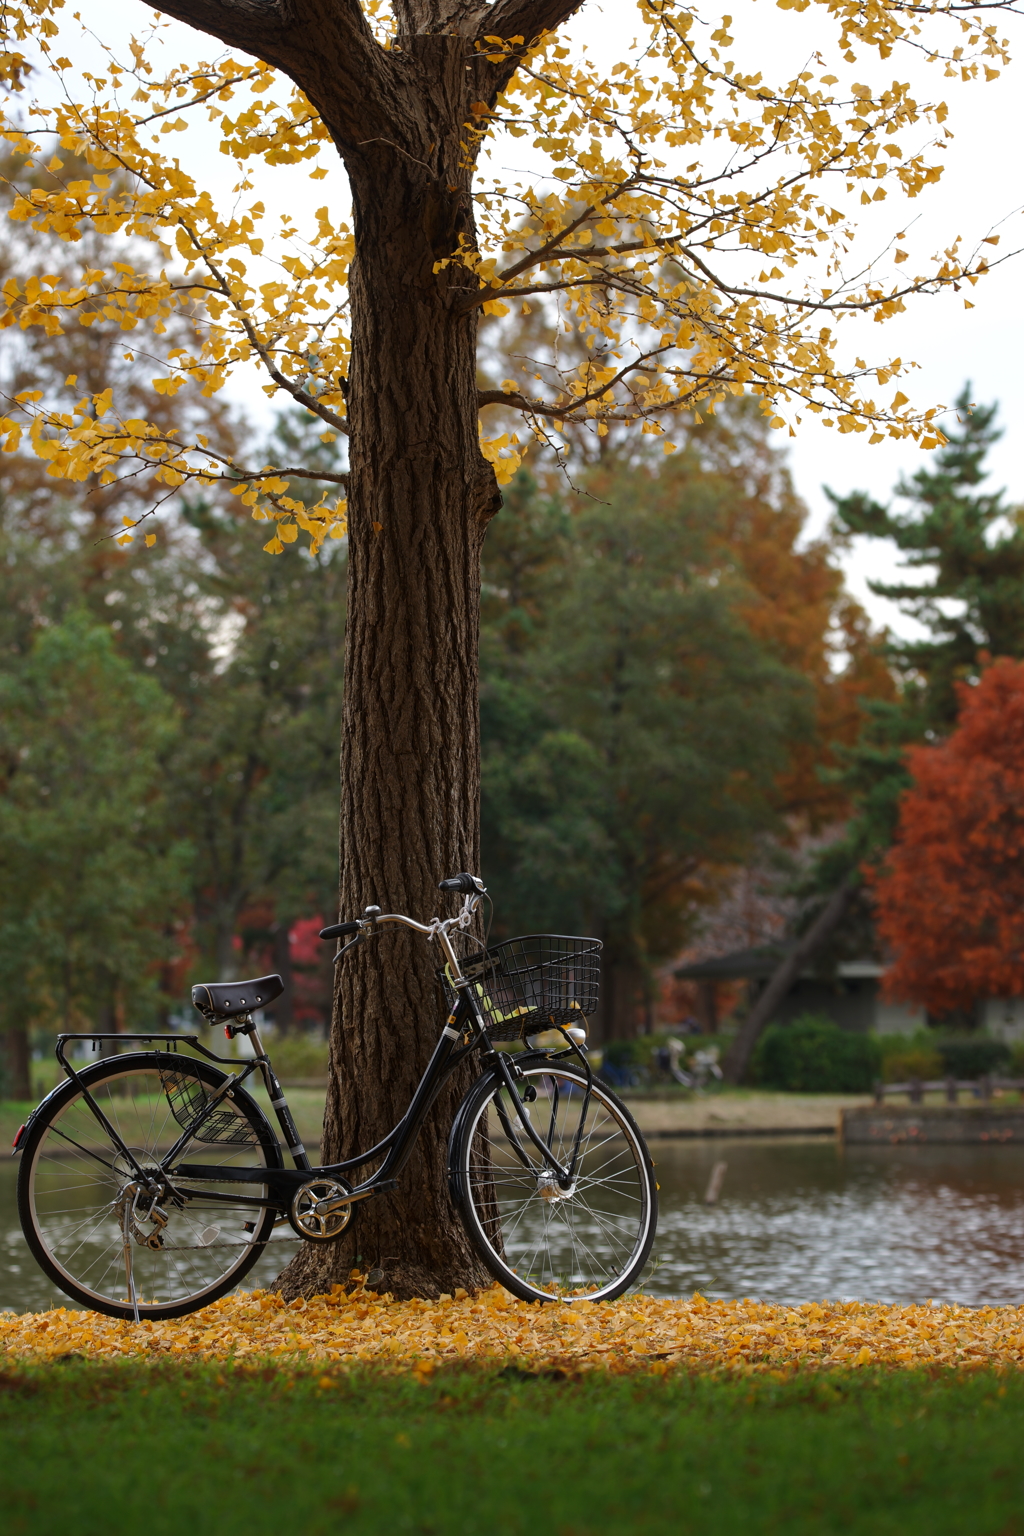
(739, 1111)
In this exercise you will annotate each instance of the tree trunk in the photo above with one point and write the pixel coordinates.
(420, 495)
(789, 968)
(225, 954)
(707, 1007)
(284, 1007)
(622, 987)
(18, 1084)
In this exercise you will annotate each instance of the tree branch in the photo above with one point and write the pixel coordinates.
(804, 950)
(325, 46)
(525, 18)
(516, 18)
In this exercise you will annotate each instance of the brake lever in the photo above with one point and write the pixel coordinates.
(360, 938)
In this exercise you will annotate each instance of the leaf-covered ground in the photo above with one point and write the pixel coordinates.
(639, 1332)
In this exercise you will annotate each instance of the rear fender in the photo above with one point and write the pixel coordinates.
(20, 1139)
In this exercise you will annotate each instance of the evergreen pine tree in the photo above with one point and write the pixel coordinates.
(968, 547)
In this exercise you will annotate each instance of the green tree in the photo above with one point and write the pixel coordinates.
(251, 651)
(969, 546)
(92, 878)
(633, 728)
(255, 773)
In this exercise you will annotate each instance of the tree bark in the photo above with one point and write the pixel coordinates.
(707, 1007)
(789, 968)
(622, 980)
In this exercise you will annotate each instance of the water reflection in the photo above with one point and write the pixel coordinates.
(796, 1221)
(800, 1221)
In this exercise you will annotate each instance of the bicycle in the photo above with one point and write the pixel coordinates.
(547, 1168)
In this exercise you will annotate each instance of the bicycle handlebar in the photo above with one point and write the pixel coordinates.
(464, 885)
(338, 930)
(470, 887)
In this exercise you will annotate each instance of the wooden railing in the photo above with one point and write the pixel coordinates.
(981, 1088)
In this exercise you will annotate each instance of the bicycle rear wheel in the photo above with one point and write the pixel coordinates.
(77, 1190)
(540, 1242)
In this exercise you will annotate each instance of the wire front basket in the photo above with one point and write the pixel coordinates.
(534, 983)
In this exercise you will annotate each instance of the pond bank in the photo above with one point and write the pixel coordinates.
(731, 1112)
(932, 1124)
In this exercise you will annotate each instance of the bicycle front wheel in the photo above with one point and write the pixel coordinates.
(106, 1241)
(542, 1242)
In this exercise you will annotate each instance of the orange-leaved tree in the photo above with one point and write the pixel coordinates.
(687, 218)
(950, 894)
(797, 608)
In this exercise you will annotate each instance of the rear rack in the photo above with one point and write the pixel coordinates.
(96, 1037)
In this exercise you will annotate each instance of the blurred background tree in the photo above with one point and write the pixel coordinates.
(950, 891)
(967, 545)
(237, 662)
(93, 879)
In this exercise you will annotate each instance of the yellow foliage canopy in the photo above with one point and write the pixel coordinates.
(687, 227)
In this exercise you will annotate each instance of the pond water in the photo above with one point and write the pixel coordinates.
(796, 1221)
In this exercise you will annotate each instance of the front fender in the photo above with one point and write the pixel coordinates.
(455, 1188)
(484, 1082)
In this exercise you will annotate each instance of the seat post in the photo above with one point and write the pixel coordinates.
(254, 1035)
(276, 1094)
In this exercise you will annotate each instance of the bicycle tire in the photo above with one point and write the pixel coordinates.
(542, 1245)
(72, 1180)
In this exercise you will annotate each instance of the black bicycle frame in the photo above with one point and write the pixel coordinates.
(398, 1144)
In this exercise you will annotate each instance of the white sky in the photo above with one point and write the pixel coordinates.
(983, 185)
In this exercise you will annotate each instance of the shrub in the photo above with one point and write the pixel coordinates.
(813, 1055)
(972, 1057)
(921, 1061)
(298, 1055)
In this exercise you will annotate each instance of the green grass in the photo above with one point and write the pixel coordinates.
(102, 1450)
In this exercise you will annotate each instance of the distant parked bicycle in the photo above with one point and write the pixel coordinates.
(702, 1066)
(150, 1182)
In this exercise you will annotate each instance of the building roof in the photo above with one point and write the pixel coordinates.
(760, 963)
(740, 964)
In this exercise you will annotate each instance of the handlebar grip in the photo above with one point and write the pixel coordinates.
(337, 930)
(463, 885)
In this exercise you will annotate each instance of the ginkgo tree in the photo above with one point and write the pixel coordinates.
(686, 220)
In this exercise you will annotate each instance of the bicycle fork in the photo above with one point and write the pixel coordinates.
(565, 1177)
